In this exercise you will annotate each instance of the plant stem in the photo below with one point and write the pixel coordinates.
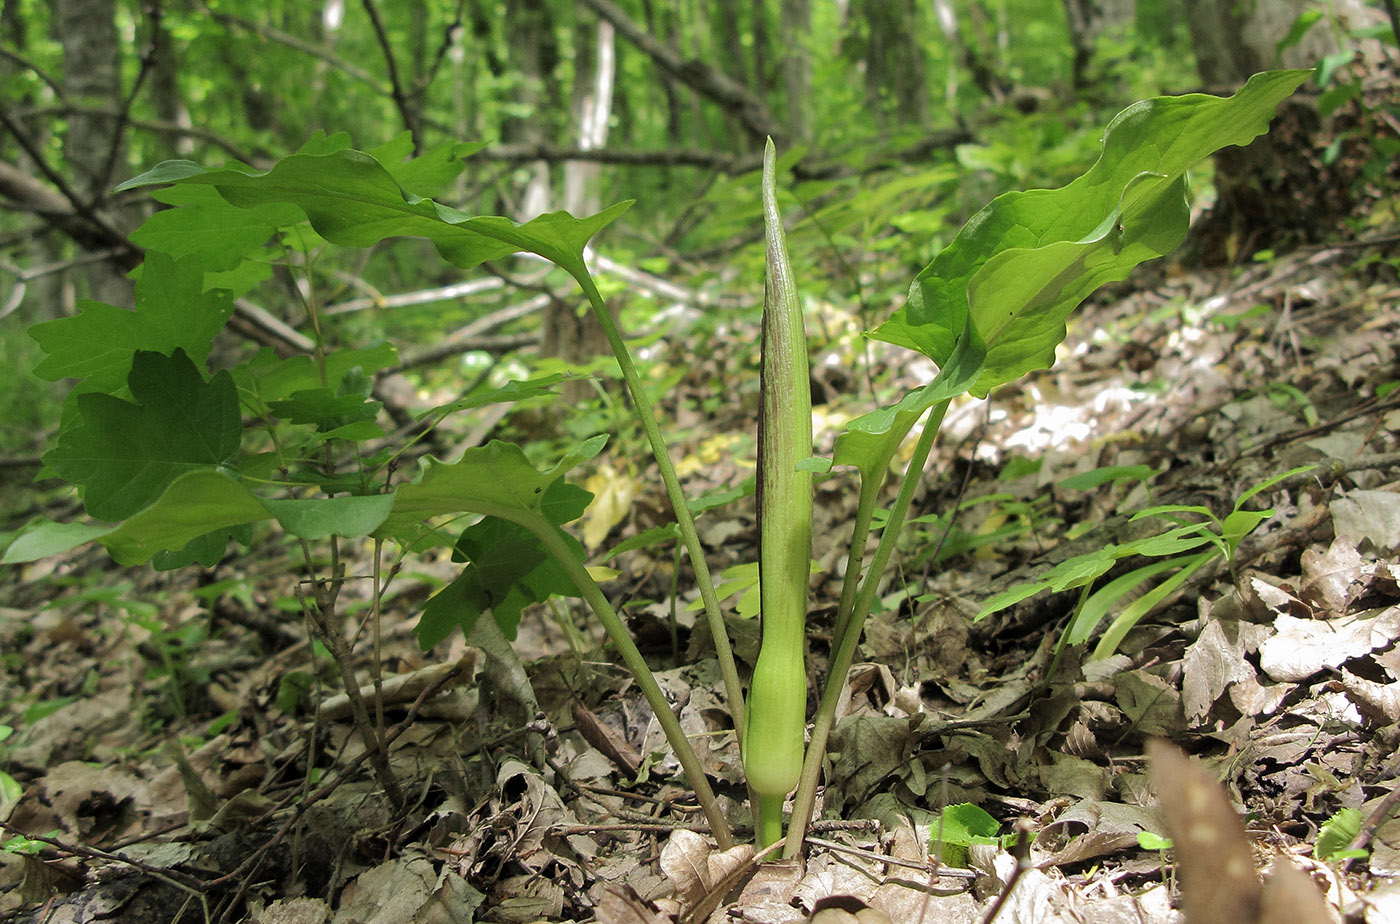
(646, 415)
(554, 543)
(845, 653)
(873, 479)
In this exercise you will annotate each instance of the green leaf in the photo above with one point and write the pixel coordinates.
(195, 505)
(869, 441)
(966, 824)
(170, 171)
(431, 172)
(207, 550)
(508, 570)
(665, 534)
(267, 378)
(203, 507)
(1087, 620)
(1337, 834)
(1149, 840)
(495, 479)
(351, 199)
(1129, 616)
(124, 454)
(44, 537)
(1022, 264)
(1271, 481)
(173, 312)
(509, 393)
(318, 517)
(1086, 481)
(207, 231)
(1010, 597)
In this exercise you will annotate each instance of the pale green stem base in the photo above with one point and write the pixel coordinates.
(845, 653)
(768, 819)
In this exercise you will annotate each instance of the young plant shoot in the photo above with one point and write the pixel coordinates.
(777, 706)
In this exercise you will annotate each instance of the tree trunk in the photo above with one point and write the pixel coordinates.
(1275, 189)
(569, 332)
(797, 66)
(894, 61)
(726, 27)
(165, 89)
(92, 149)
(528, 28)
(662, 24)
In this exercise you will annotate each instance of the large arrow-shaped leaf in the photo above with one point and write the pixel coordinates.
(1020, 266)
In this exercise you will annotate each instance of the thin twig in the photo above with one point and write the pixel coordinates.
(450, 33)
(80, 208)
(933, 869)
(39, 72)
(267, 33)
(155, 126)
(1021, 850)
(243, 875)
(179, 880)
(396, 90)
(103, 179)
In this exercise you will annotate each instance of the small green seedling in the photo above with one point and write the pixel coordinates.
(10, 790)
(156, 441)
(1198, 537)
(1150, 840)
(1336, 836)
(960, 826)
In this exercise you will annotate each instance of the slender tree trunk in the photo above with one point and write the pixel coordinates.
(947, 16)
(93, 151)
(762, 46)
(894, 61)
(165, 89)
(911, 80)
(797, 66)
(662, 24)
(569, 333)
(1278, 188)
(528, 26)
(726, 25)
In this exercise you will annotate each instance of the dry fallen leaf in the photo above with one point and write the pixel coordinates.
(1213, 856)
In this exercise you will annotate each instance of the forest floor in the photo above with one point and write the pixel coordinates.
(171, 764)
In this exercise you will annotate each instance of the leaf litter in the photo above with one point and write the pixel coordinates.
(158, 753)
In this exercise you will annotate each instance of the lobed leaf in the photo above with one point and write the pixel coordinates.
(494, 479)
(124, 454)
(198, 504)
(351, 199)
(173, 312)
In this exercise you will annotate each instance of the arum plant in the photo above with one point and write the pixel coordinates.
(777, 707)
(163, 456)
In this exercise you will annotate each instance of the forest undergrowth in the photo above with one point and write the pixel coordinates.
(180, 729)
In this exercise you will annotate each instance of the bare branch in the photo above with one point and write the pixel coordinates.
(148, 58)
(39, 72)
(421, 297)
(154, 126)
(267, 33)
(751, 111)
(396, 90)
(709, 160)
